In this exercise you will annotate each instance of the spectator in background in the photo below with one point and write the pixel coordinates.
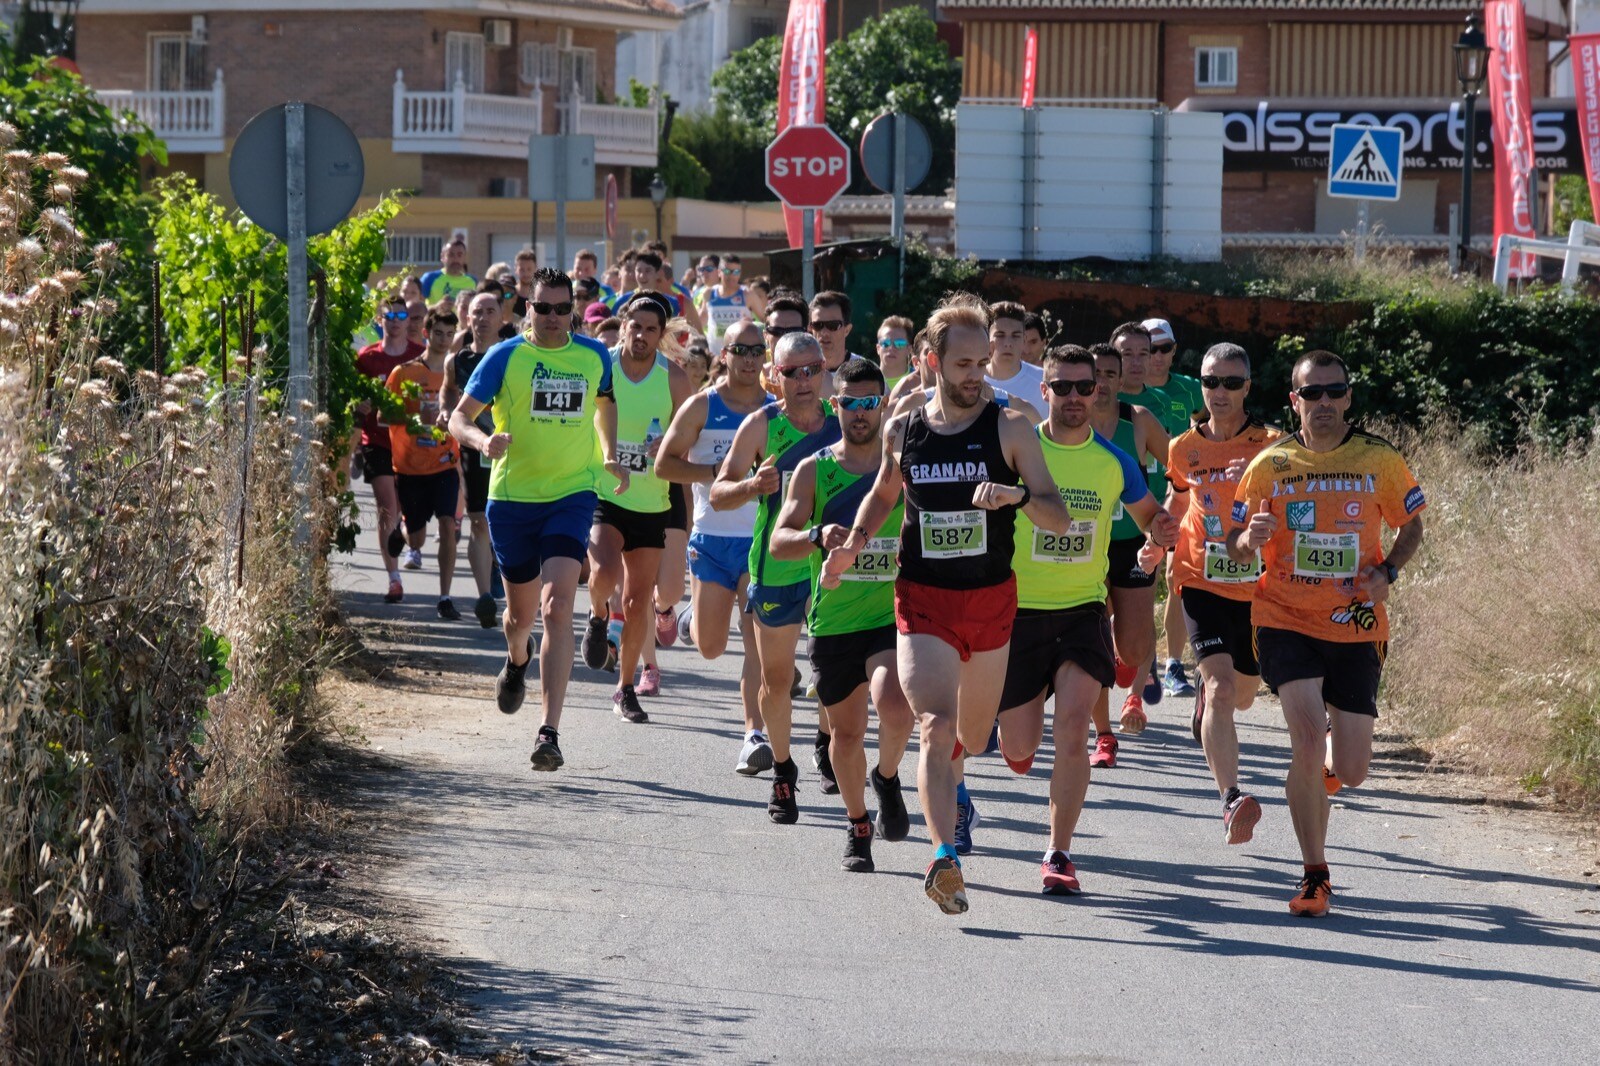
(609, 332)
(894, 349)
(526, 265)
(585, 293)
(416, 330)
(411, 288)
(1033, 339)
(757, 292)
(705, 274)
(595, 314)
(452, 277)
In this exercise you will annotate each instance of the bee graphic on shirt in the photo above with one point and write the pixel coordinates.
(1358, 613)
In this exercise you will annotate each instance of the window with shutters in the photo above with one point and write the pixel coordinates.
(175, 62)
(463, 56)
(1216, 68)
(578, 73)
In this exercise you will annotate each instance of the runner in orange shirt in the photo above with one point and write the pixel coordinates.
(1203, 466)
(1314, 505)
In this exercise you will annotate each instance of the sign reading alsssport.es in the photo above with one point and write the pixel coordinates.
(1293, 134)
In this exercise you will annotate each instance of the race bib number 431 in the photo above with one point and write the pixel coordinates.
(1326, 555)
(954, 534)
(558, 397)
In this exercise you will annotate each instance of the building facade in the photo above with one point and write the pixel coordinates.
(1291, 66)
(442, 94)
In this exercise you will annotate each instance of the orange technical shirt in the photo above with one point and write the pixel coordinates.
(1199, 466)
(426, 454)
(1331, 508)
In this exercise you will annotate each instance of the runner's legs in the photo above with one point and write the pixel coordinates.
(559, 576)
(388, 500)
(776, 646)
(895, 719)
(930, 673)
(641, 568)
(1076, 694)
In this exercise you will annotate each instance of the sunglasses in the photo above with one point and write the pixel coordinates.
(1313, 393)
(810, 370)
(1163, 349)
(1067, 388)
(564, 308)
(829, 326)
(706, 269)
(899, 342)
(783, 331)
(748, 351)
(859, 403)
(1233, 382)
(395, 316)
(731, 270)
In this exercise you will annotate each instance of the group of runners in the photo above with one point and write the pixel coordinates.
(970, 530)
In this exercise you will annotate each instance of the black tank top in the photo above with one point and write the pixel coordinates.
(946, 541)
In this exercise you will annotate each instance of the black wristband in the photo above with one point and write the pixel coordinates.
(1027, 494)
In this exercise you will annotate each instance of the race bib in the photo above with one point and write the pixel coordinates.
(633, 455)
(1076, 545)
(558, 397)
(1326, 555)
(1221, 568)
(954, 534)
(876, 561)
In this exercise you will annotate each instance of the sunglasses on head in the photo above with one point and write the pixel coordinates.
(563, 308)
(1233, 382)
(860, 403)
(1067, 388)
(828, 326)
(395, 316)
(748, 351)
(1313, 393)
(809, 370)
(896, 342)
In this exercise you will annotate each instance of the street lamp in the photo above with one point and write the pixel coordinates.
(1472, 66)
(658, 196)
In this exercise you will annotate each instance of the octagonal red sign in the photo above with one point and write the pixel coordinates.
(808, 166)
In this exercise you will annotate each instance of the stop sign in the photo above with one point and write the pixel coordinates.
(808, 166)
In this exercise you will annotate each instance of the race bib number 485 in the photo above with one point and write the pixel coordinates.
(558, 397)
(954, 534)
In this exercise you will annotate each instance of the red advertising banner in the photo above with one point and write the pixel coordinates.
(1511, 109)
(803, 85)
(1586, 86)
(1030, 66)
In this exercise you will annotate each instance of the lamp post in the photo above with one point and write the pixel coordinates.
(1472, 66)
(658, 196)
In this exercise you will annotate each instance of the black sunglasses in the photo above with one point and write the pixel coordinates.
(1313, 393)
(1163, 349)
(784, 331)
(809, 370)
(749, 351)
(1233, 382)
(564, 308)
(828, 326)
(1067, 388)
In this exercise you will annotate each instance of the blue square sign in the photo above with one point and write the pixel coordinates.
(1365, 162)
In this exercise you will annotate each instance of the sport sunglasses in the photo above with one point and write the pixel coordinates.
(859, 403)
(395, 316)
(1233, 382)
(748, 351)
(1067, 388)
(895, 342)
(809, 370)
(563, 308)
(1313, 393)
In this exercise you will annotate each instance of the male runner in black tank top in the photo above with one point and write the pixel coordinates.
(958, 460)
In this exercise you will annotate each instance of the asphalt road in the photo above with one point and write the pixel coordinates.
(639, 906)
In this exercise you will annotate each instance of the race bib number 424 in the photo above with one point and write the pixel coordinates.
(954, 534)
(876, 561)
(558, 397)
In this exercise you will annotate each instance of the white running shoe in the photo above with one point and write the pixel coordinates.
(413, 558)
(755, 756)
(685, 634)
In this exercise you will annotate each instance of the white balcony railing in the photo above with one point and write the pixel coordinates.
(464, 123)
(188, 121)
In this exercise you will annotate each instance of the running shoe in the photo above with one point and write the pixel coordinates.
(511, 687)
(546, 752)
(1125, 674)
(945, 886)
(395, 542)
(1176, 681)
(448, 611)
(627, 706)
(797, 689)
(1060, 876)
(894, 822)
(685, 630)
(1105, 751)
(1133, 718)
(666, 627)
(413, 559)
(486, 611)
(755, 756)
(1239, 819)
(782, 808)
(1198, 717)
(649, 681)
(1331, 782)
(594, 643)
(1311, 900)
(966, 822)
(994, 739)
(824, 765)
(858, 847)
(613, 642)
(1152, 686)
(396, 593)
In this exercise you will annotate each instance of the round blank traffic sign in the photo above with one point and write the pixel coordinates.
(334, 171)
(877, 151)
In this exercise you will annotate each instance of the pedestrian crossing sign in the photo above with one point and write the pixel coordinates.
(1365, 162)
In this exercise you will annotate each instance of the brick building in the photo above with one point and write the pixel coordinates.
(442, 94)
(1280, 71)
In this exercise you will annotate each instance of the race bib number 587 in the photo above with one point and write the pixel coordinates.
(954, 534)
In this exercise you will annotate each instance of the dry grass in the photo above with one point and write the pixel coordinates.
(1497, 650)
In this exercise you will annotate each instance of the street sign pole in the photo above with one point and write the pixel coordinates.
(900, 194)
(808, 279)
(1030, 163)
(1361, 229)
(294, 132)
(561, 203)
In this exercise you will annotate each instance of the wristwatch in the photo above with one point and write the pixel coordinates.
(1391, 572)
(816, 536)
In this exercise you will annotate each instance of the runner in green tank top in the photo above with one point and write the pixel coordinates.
(852, 618)
(630, 520)
(1060, 641)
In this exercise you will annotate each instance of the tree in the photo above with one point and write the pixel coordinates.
(894, 62)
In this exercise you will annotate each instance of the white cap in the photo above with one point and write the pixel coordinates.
(1160, 330)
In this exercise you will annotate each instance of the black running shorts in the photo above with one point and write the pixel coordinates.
(1349, 672)
(1042, 642)
(1220, 626)
(1124, 572)
(841, 661)
(639, 529)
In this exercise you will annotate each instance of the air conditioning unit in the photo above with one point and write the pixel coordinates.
(506, 188)
(197, 29)
(563, 38)
(497, 33)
